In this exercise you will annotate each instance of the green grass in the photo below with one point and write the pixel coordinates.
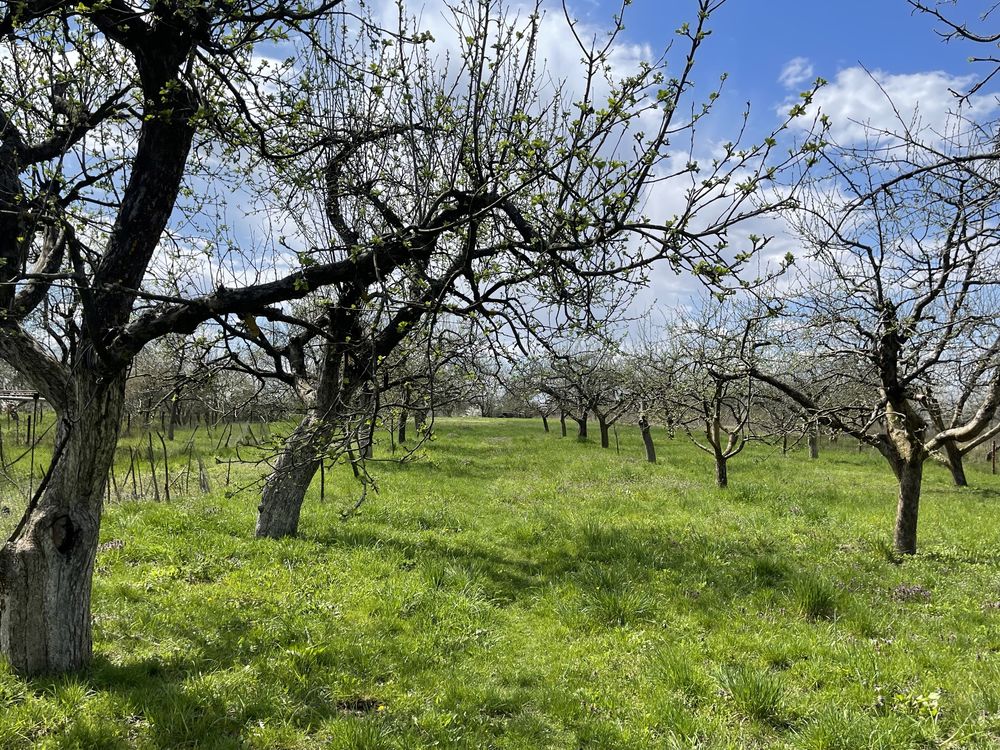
(516, 590)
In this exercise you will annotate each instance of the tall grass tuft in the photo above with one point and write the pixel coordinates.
(755, 693)
(816, 598)
(680, 674)
(620, 607)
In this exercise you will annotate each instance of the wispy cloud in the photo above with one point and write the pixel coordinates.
(797, 71)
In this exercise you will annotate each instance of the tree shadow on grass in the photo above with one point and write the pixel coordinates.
(572, 554)
(207, 695)
(976, 492)
(193, 701)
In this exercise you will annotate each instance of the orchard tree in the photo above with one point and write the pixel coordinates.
(523, 386)
(711, 394)
(949, 416)
(113, 118)
(898, 300)
(565, 379)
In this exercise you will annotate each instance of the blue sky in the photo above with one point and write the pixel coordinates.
(754, 40)
(762, 44)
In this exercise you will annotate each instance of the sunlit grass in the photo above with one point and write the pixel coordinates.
(516, 590)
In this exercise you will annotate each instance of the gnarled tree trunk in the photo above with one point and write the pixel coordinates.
(721, 470)
(47, 565)
(285, 489)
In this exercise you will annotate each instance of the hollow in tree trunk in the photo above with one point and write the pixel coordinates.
(47, 565)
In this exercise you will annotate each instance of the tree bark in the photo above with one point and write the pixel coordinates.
(404, 415)
(285, 489)
(175, 411)
(721, 471)
(956, 464)
(175, 399)
(605, 434)
(545, 422)
(47, 565)
(814, 441)
(647, 440)
(582, 424)
(562, 423)
(910, 476)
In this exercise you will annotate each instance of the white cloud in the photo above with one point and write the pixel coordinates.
(797, 71)
(860, 102)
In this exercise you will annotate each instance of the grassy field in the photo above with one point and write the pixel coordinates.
(517, 590)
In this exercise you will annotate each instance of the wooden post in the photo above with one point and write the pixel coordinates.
(166, 468)
(152, 468)
(131, 471)
(30, 434)
(114, 481)
(203, 477)
(187, 473)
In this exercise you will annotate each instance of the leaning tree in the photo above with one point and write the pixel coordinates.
(520, 200)
(116, 122)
